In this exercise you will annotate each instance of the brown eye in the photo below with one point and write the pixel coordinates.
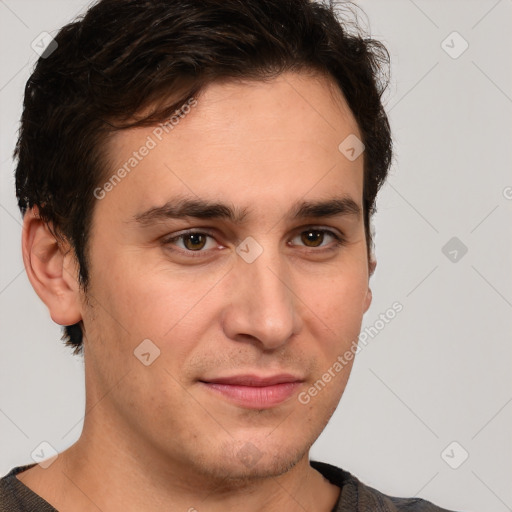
(320, 239)
(312, 237)
(191, 242)
(194, 241)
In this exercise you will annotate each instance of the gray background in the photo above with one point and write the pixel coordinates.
(439, 372)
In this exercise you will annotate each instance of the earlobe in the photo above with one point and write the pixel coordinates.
(50, 269)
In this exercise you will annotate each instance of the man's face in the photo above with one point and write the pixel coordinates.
(249, 312)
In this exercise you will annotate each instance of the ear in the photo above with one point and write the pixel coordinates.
(52, 270)
(371, 269)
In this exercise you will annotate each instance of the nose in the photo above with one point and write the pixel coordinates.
(263, 305)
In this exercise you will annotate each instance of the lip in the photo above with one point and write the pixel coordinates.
(254, 391)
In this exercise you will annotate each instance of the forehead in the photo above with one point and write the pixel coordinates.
(245, 142)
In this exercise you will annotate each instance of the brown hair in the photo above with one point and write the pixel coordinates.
(124, 56)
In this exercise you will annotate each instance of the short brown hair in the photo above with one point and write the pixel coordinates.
(123, 56)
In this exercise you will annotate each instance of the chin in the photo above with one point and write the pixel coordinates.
(239, 462)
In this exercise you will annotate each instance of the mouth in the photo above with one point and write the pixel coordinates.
(253, 391)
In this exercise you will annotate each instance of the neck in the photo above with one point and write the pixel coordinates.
(112, 472)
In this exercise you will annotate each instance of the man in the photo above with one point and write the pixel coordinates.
(197, 182)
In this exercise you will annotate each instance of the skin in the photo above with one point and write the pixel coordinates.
(155, 437)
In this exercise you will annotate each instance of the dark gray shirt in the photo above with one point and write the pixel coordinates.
(355, 496)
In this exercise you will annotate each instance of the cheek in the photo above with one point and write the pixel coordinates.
(151, 299)
(337, 310)
(123, 315)
(340, 299)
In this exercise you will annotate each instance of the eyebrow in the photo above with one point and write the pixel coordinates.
(203, 209)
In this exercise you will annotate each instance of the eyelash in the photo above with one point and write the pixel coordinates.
(339, 241)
